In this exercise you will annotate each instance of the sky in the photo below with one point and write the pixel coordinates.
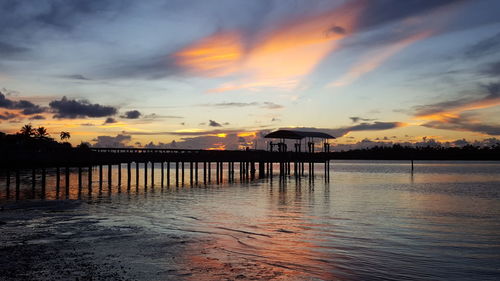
(221, 74)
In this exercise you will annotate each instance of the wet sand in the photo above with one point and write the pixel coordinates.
(60, 240)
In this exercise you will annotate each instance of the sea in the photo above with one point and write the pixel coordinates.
(367, 220)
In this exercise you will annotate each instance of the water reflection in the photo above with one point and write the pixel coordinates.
(371, 221)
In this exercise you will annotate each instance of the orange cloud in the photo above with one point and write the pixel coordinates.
(454, 112)
(216, 55)
(375, 60)
(278, 57)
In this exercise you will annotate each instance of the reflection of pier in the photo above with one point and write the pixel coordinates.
(59, 182)
(203, 166)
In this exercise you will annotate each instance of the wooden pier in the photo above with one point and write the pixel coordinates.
(174, 167)
(195, 166)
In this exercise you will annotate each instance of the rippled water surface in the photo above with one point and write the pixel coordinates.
(373, 220)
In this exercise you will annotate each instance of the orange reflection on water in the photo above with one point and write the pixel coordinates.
(275, 244)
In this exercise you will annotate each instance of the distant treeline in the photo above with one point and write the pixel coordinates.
(24, 142)
(31, 143)
(399, 152)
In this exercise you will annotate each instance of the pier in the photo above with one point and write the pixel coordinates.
(175, 167)
(129, 168)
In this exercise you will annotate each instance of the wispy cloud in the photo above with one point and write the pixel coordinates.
(456, 114)
(442, 111)
(356, 119)
(279, 56)
(375, 59)
(484, 47)
(266, 105)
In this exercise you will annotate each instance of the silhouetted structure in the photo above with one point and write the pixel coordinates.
(298, 136)
(42, 154)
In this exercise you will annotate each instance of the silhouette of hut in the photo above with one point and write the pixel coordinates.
(298, 136)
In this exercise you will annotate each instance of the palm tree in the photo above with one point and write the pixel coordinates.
(27, 130)
(65, 135)
(41, 133)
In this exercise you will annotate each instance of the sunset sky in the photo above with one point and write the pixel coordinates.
(220, 74)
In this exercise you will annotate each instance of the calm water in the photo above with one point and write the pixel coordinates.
(373, 220)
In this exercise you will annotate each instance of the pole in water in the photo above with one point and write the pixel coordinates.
(145, 175)
(128, 175)
(119, 174)
(196, 172)
(100, 176)
(191, 173)
(209, 172)
(152, 174)
(176, 173)
(182, 173)
(89, 178)
(168, 173)
(205, 172)
(110, 177)
(137, 175)
(412, 165)
(162, 173)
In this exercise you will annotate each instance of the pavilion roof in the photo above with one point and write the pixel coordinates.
(297, 135)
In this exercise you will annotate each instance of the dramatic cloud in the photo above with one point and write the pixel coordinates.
(27, 107)
(279, 58)
(462, 123)
(109, 141)
(66, 108)
(132, 114)
(450, 115)
(212, 123)
(442, 111)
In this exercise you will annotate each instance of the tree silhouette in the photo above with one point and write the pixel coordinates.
(27, 130)
(41, 133)
(65, 135)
